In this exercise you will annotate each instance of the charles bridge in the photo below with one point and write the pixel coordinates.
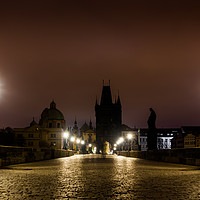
(99, 177)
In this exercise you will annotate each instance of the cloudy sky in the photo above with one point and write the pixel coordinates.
(63, 50)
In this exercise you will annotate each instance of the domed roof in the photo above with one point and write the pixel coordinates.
(52, 113)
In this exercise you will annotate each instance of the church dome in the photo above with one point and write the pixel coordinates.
(52, 113)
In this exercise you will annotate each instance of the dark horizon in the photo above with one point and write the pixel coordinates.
(64, 50)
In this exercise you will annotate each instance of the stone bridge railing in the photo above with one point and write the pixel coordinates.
(14, 155)
(190, 156)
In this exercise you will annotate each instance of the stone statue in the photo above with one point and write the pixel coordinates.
(152, 119)
(152, 135)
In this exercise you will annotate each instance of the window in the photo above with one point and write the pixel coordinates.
(50, 125)
(30, 135)
(58, 125)
(53, 144)
(53, 135)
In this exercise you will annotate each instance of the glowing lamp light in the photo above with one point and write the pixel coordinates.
(66, 134)
(72, 139)
(115, 148)
(78, 141)
(115, 145)
(82, 142)
(90, 145)
(129, 136)
(121, 139)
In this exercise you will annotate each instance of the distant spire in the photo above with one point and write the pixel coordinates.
(75, 124)
(90, 124)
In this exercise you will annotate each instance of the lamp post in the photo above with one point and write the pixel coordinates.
(78, 142)
(72, 139)
(129, 136)
(65, 136)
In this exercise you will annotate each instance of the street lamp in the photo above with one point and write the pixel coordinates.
(82, 142)
(65, 136)
(121, 139)
(129, 136)
(78, 141)
(72, 139)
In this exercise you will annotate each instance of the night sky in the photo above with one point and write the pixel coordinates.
(62, 50)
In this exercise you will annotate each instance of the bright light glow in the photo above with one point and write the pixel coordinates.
(95, 150)
(121, 139)
(129, 136)
(90, 145)
(72, 139)
(82, 142)
(115, 145)
(66, 134)
(115, 148)
(78, 141)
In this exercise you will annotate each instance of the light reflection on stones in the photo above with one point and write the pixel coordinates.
(92, 176)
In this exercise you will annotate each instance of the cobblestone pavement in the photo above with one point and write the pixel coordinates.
(94, 177)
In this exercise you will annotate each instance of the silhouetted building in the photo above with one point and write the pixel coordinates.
(108, 118)
(7, 137)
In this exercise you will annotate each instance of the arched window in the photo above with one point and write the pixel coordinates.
(58, 125)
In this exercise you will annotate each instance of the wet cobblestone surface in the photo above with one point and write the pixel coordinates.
(95, 177)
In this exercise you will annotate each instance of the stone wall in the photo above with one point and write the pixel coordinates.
(190, 156)
(15, 155)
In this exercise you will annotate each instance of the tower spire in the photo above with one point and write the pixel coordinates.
(90, 124)
(118, 99)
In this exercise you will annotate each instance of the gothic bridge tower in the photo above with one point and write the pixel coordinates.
(108, 118)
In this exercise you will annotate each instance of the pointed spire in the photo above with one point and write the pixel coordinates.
(75, 122)
(90, 124)
(118, 99)
(53, 105)
(33, 122)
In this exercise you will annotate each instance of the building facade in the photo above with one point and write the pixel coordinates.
(164, 138)
(47, 134)
(188, 137)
